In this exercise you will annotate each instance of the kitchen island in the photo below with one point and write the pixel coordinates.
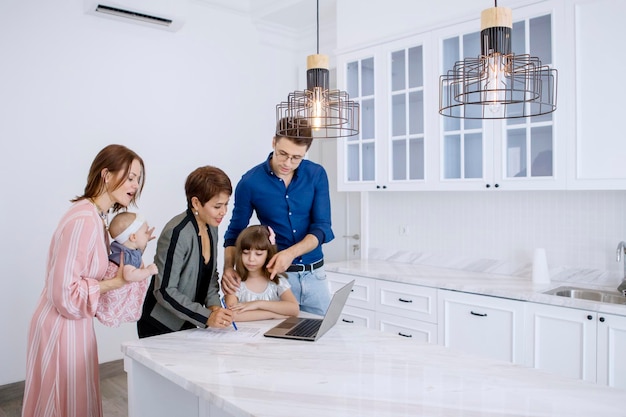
(348, 372)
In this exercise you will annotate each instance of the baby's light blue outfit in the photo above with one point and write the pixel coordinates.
(272, 292)
(131, 256)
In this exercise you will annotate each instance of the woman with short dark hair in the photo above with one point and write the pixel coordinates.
(184, 294)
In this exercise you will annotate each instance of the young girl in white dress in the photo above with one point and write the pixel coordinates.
(258, 297)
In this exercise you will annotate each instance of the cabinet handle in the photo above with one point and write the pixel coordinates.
(402, 300)
(478, 314)
(404, 335)
(487, 185)
(589, 317)
(347, 321)
(602, 319)
(497, 185)
(384, 187)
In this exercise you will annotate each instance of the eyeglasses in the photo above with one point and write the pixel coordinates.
(282, 156)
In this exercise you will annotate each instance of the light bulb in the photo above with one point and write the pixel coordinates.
(495, 84)
(317, 108)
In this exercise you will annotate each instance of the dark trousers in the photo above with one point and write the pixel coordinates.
(147, 326)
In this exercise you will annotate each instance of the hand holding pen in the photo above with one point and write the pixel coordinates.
(224, 305)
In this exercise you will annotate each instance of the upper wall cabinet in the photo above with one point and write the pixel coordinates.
(357, 155)
(406, 102)
(405, 144)
(388, 83)
(514, 154)
(597, 142)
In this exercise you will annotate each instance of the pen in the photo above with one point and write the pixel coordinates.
(224, 305)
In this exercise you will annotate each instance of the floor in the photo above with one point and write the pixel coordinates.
(112, 386)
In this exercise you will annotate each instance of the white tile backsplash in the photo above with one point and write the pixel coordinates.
(495, 230)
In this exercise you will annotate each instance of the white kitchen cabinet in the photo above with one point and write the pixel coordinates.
(580, 146)
(482, 325)
(596, 137)
(511, 154)
(358, 317)
(388, 81)
(577, 343)
(361, 304)
(407, 310)
(406, 300)
(358, 156)
(404, 143)
(611, 350)
(416, 330)
(561, 340)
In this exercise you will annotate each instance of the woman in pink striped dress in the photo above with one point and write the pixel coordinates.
(62, 361)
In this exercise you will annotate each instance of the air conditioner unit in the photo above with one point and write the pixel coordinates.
(160, 14)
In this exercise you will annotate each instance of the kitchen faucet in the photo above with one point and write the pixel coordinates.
(621, 247)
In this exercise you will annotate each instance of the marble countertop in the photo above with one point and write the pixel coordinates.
(498, 285)
(354, 371)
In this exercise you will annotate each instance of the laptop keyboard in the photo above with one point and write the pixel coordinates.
(306, 328)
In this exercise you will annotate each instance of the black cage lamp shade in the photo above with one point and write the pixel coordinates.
(498, 84)
(329, 113)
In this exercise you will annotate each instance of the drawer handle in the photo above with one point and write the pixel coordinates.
(479, 314)
(347, 321)
(404, 335)
(402, 300)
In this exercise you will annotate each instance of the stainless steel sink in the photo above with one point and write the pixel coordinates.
(611, 297)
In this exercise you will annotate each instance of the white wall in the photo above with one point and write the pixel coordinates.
(579, 229)
(70, 83)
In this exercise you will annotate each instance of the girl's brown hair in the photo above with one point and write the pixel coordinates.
(114, 159)
(254, 238)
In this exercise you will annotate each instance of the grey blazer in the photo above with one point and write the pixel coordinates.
(179, 259)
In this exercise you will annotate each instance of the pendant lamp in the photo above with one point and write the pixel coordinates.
(329, 113)
(497, 84)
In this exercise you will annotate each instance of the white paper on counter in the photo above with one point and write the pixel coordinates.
(230, 333)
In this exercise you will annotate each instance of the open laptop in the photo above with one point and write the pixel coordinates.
(310, 329)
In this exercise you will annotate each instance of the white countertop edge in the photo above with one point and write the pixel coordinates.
(496, 285)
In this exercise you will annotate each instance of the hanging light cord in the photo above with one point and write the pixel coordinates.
(318, 26)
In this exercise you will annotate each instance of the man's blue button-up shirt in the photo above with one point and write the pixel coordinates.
(293, 212)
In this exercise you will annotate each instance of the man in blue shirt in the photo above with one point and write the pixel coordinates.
(289, 194)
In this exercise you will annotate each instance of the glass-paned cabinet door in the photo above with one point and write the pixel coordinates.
(361, 149)
(462, 144)
(407, 114)
(530, 144)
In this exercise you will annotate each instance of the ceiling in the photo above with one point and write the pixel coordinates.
(290, 15)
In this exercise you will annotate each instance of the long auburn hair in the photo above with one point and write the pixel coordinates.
(254, 238)
(114, 159)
